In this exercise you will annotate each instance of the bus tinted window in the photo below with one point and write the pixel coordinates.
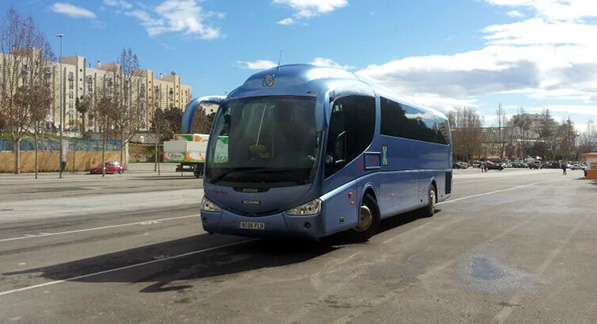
(400, 120)
(352, 125)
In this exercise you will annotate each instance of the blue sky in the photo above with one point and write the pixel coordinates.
(533, 54)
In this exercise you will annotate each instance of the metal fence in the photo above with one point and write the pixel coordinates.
(74, 144)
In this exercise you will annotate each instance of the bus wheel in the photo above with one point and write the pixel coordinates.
(197, 171)
(429, 210)
(369, 220)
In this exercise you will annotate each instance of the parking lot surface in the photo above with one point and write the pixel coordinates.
(512, 246)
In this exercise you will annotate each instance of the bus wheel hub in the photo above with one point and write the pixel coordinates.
(366, 219)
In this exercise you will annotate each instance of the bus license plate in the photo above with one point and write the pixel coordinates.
(252, 225)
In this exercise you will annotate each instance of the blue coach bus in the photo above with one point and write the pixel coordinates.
(310, 151)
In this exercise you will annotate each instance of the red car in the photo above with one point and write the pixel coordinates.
(111, 167)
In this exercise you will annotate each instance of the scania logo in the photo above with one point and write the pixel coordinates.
(251, 202)
(268, 80)
(250, 190)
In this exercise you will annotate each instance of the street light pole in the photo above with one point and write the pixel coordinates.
(60, 108)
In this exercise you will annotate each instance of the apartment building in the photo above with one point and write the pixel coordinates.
(81, 80)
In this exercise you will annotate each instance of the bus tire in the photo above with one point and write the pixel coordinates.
(197, 171)
(429, 210)
(369, 220)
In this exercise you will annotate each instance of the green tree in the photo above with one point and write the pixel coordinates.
(539, 149)
(82, 105)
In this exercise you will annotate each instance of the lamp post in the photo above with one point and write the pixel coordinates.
(60, 108)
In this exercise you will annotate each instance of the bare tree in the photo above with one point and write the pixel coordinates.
(589, 138)
(24, 87)
(104, 117)
(41, 102)
(128, 117)
(566, 138)
(467, 134)
(202, 122)
(502, 121)
(522, 126)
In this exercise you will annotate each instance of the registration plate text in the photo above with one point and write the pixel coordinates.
(252, 225)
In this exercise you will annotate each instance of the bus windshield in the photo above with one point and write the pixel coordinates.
(264, 142)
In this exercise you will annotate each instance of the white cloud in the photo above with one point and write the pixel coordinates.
(589, 110)
(320, 61)
(256, 65)
(184, 16)
(539, 71)
(515, 14)
(539, 31)
(287, 21)
(305, 9)
(492, 69)
(443, 104)
(550, 56)
(71, 10)
(267, 64)
(560, 10)
(118, 3)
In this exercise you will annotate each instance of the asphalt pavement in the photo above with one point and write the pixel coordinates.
(516, 246)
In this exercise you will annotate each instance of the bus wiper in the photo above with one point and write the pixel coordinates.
(283, 172)
(218, 178)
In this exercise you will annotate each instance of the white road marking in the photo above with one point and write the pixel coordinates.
(149, 222)
(492, 192)
(505, 312)
(3, 293)
(162, 259)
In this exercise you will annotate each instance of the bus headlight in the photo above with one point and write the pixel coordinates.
(311, 208)
(209, 206)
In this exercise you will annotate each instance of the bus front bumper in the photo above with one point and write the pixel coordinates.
(275, 225)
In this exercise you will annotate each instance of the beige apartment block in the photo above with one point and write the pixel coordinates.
(165, 91)
(81, 80)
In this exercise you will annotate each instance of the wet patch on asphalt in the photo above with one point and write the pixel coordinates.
(487, 274)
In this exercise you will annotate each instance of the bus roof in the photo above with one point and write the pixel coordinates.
(305, 79)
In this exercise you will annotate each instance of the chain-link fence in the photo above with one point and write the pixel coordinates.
(74, 144)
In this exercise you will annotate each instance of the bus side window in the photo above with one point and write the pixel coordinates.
(351, 129)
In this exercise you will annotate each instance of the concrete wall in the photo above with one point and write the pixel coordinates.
(48, 160)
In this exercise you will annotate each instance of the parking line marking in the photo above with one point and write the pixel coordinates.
(147, 222)
(505, 312)
(492, 192)
(3, 293)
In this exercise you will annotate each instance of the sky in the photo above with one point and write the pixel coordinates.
(444, 54)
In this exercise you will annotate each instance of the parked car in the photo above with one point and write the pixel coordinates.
(578, 167)
(110, 167)
(552, 165)
(459, 165)
(535, 165)
(495, 166)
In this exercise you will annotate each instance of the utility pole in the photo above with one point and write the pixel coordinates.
(61, 108)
